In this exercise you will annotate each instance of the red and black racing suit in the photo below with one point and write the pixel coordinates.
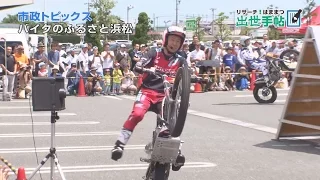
(152, 88)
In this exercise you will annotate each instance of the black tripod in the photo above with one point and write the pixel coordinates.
(52, 154)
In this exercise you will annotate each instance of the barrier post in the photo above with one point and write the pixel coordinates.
(301, 112)
(252, 79)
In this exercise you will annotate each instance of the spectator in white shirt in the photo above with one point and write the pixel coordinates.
(108, 58)
(266, 44)
(96, 61)
(83, 60)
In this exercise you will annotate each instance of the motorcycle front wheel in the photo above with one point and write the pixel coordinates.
(161, 171)
(265, 91)
(180, 94)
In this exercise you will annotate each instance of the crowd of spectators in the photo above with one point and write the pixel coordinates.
(111, 72)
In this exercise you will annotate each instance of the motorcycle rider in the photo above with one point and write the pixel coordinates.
(246, 54)
(152, 93)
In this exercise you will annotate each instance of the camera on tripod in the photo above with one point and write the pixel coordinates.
(48, 94)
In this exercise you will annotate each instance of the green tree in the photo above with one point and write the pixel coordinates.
(223, 29)
(199, 31)
(273, 33)
(142, 28)
(307, 11)
(104, 16)
(94, 38)
(245, 31)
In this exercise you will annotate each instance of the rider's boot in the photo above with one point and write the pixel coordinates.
(117, 151)
(179, 162)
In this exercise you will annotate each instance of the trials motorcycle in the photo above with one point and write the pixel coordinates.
(286, 61)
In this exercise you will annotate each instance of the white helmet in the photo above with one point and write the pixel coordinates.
(173, 30)
(243, 40)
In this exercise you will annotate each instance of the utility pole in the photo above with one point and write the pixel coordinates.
(234, 21)
(177, 11)
(213, 23)
(88, 3)
(154, 22)
(128, 9)
(157, 23)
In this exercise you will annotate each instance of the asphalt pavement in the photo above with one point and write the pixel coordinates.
(228, 136)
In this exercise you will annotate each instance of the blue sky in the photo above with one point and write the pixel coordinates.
(164, 9)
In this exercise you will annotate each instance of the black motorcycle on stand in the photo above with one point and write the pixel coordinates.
(286, 61)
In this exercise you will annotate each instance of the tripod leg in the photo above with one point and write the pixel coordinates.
(59, 167)
(52, 168)
(39, 166)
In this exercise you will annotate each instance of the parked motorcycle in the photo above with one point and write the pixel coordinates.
(287, 60)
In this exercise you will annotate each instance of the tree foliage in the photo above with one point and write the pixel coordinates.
(199, 31)
(104, 16)
(13, 19)
(307, 11)
(94, 38)
(273, 33)
(142, 28)
(223, 29)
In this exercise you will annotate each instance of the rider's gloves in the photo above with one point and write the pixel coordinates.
(139, 67)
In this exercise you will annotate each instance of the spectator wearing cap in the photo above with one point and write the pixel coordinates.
(242, 79)
(192, 46)
(39, 57)
(123, 57)
(134, 56)
(83, 60)
(117, 76)
(20, 57)
(70, 59)
(73, 76)
(229, 59)
(7, 64)
(281, 47)
(24, 81)
(93, 85)
(53, 55)
(55, 72)
(42, 72)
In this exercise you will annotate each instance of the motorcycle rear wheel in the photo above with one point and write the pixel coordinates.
(180, 94)
(262, 101)
(283, 64)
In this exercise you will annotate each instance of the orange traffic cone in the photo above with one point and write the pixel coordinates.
(197, 88)
(81, 90)
(21, 174)
(253, 79)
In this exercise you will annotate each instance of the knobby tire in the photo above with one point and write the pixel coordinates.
(184, 76)
(282, 64)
